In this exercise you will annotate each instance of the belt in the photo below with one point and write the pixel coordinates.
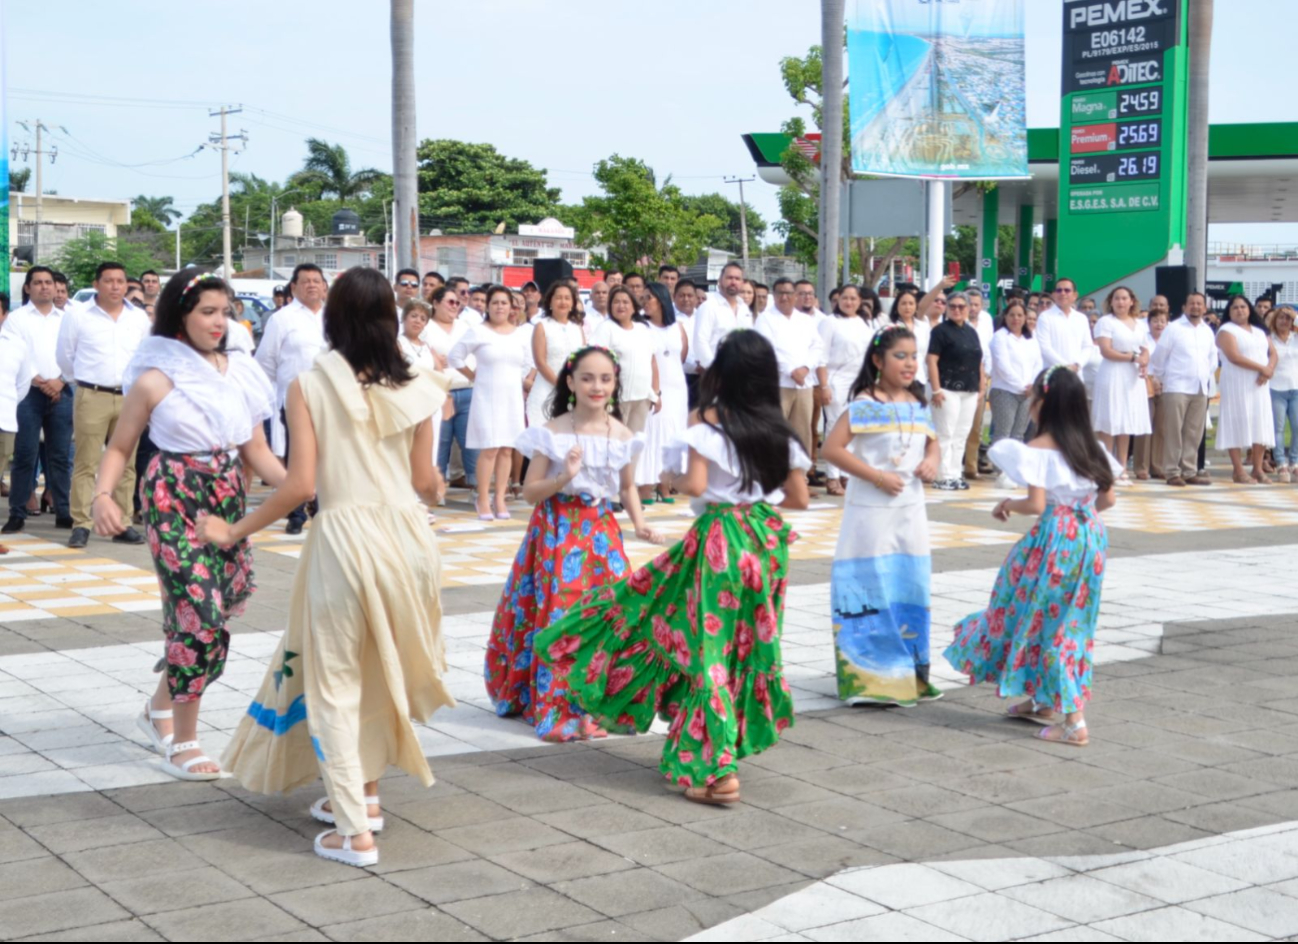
(115, 391)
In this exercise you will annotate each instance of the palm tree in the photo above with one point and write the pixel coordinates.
(404, 161)
(329, 169)
(18, 179)
(161, 209)
(1196, 197)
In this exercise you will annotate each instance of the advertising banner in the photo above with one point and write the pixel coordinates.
(937, 89)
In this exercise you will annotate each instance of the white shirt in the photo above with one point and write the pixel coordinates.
(294, 337)
(441, 341)
(417, 353)
(986, 328)
(602, 459)
(238, 337)
(15, 377)
(797, 344)
(470, 316)
(1185, 357)
(592, 319)
(713, 320)
(40, 335)
(95, 348)
(725, 478)
(1286, 369)
(1065, 339)
(1016, 361)
(690, 365)
(205, 411)
(635, 356)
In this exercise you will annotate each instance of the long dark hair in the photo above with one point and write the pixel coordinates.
(664, 299)
(360, 323)
(1064, 415)
(1253, 317)
(558, 404)
(895, 315)
(1005, 316)
(180, 297)
(883, 342)
(743, 387)
(548, 301)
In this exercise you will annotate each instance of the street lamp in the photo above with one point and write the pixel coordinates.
(274, 214)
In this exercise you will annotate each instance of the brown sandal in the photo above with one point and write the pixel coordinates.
(721, 793)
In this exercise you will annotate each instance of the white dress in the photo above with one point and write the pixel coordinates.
(1246, 417)
(635, 351)
(846, 341)
(496, 415)
(1120, 406)
(667, 425)
(560, 341)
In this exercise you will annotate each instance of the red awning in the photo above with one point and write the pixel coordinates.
(518, 276)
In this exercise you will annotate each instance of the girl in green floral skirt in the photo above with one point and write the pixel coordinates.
(694, 636)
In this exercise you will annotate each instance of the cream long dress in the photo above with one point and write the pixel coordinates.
(363, 654)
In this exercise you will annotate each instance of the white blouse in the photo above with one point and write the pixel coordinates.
(635, 356)
(725, 475)
(416, 353)
(1016, 361)
(441, 341)
(1286, 369)
(15, 378)
(602, 459)
(206, 411)
(1045, 468)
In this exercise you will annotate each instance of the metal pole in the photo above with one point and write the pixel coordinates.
(226, 255)
(743, 218)
(40, 190)
(936, 231)
(177, 247)
(831, 142)
(847, 237)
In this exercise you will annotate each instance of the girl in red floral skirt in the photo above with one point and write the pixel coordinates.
(581, 460)
(694, 636)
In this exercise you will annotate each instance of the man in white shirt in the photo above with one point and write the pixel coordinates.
(801, 358)
(669, 275)
(721, 313)
(406, 286)
(152, 283)
(293, 339)
(47, 407)
(975, 452)
(1064, 332)
(1184, 362)
(531, 299)
(596, 312)
(96, 342)
(807, 303)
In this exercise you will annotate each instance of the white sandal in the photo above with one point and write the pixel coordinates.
(320, 814)
(346, 855)
(182, 771)
(144, 722)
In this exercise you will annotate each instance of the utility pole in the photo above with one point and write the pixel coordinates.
(743, 216)
(221, 142)
(1200, 41)
(832, 16)
(405, 177)
(40, 126)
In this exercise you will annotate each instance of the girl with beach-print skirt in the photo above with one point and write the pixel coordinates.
(694, 636)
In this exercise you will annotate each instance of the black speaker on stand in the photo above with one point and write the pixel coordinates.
(1174, 283)
(545, 272)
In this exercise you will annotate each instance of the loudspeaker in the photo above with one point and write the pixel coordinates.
(545, 272)
(1175, 283)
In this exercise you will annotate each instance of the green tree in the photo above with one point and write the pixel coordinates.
(473, 188)
(162, 209)
(328, 170)
(639, 222)
(727, 235)
(79, 257)
(19, 178)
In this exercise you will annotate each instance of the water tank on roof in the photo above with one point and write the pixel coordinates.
(346, 223)
(291, 223)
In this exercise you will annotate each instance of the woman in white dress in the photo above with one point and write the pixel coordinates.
(629, 338)
(556, 335)
(1248, 362)
(905, 312)
(415, 315)
(1120, 405)
(442, 334)
(846, 335)
(671, 348)
(496, 416)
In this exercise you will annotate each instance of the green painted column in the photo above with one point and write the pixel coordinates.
(1027, 222)
(988, 273)
(1051, 256)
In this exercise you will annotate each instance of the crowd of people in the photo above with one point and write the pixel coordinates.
(651, 391)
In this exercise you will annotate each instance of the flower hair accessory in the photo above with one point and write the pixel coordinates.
(201, 277)
(1045, 380)
(878, 335)
(572, 358)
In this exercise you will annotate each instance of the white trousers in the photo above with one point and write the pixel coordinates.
(954, 419)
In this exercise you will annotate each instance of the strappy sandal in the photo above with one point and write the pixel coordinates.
(1020, 713)
(346, 855)
(721, 793)
(320, 814)
(144, 721)
(1244, 479)
(183, 770)
(835, 488)
(1066, 734)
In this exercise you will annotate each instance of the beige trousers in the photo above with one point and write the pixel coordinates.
(94, 420)
(1149, 449)
(798, 406)
(1182, 418)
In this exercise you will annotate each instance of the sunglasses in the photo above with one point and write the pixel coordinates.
(407, 284)
(1064, 291)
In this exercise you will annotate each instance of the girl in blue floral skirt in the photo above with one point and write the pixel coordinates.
(1037, 635)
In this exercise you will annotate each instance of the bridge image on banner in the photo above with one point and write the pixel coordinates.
(937, 89)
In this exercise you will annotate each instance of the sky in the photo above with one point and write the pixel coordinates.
(560, 83)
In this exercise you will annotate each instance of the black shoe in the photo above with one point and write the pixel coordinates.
(946, 485)
(63, 523)
(80, 537)
(13, 525)
(962, 485)
(129, 536)
(294, 526)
